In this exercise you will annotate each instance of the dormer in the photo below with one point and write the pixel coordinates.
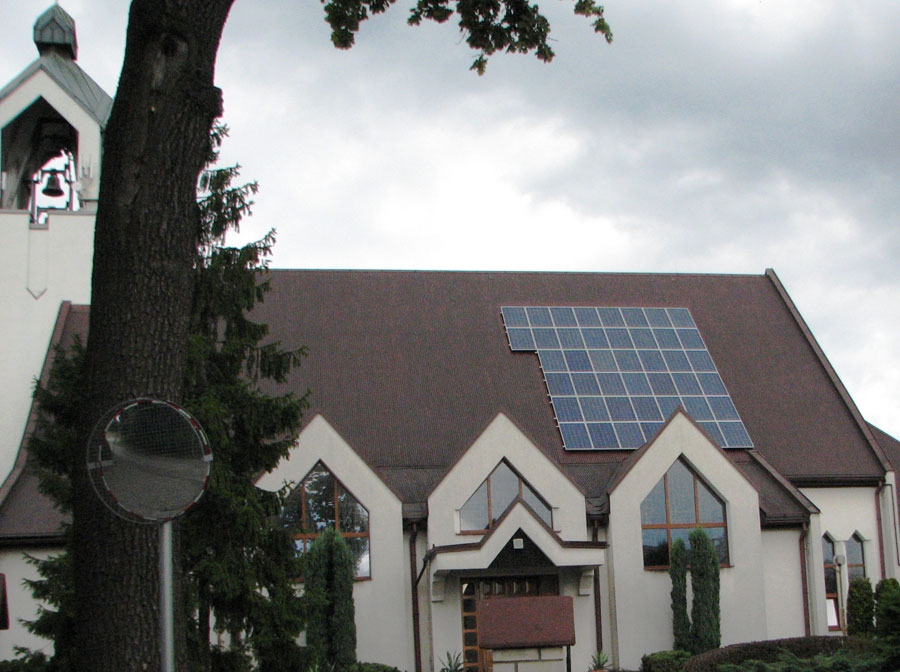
(52, 117)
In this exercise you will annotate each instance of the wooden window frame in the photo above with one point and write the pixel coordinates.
(668, 526)
(490, 500)
(308, 537)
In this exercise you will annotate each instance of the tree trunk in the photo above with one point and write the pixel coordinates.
(155, 145)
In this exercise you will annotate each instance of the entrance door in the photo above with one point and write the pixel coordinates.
(475, 589)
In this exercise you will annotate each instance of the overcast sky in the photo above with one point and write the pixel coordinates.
(716, 136)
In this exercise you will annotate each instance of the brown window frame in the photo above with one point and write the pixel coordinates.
(518, 498)
(668, 526)
(306, 538)
(832, 597)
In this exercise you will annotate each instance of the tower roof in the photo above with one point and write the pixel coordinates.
(54, 30)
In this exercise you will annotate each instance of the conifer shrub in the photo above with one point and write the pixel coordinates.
(664, 661)
(768, 651)
(705, 625)
(681, 625)
(843, 660)
(860, 608)
(887, 608)
(328, 589)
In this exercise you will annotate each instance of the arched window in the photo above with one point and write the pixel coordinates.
(831, 584)
(321, 501)
(856, 560)
(495, 495)
(679, 503)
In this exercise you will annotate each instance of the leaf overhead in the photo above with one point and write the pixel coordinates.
(489, 26)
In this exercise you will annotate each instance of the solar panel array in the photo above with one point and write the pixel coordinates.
(615, 375)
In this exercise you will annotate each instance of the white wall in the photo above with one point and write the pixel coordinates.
(783, 578)
(21, 605)
(384, 602)
(844, 511)
(500, 440)
(642, 608)
(56, 261)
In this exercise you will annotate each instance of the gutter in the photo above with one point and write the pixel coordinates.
(417, 635)
(804, 581)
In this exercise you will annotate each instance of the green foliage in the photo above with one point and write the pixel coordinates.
(31, 662)
(599, 660)
(860, 608)
(887, 608)
(452, 662)
(843, 660)
(512, 26)
(704, 559)
(664, 661)
(372, 667)
(769, 650)
(239, 569)
(681, 625)
(328, 571)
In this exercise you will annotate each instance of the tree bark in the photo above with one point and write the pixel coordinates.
(156, 143)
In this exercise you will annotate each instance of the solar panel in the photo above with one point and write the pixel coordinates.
(615, 374)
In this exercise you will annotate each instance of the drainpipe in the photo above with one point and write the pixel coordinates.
(878, 522)
(804, 581)
(598, 608)
(417, 637)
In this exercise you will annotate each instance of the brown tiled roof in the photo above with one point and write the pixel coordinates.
(26, 515)
(410, 367)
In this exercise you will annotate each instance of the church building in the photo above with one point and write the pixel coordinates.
(509, 455)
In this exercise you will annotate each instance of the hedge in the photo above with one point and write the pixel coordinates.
(769, 650)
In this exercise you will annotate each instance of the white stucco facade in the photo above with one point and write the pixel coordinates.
(643, 620)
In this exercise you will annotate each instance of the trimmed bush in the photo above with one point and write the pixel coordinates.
(328, 590)
(664, 661)
(681, 625)
(768, 651)
(887, 608)
(705, 632)
(860, 608)
(843, 660)
(372, 667)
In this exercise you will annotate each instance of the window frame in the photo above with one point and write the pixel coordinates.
(855, 539)
(306, 538)
(832, 598)
(520, 497)
(669, 526)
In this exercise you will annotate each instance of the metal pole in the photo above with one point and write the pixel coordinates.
(166, 608)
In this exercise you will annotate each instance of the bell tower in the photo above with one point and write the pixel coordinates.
(52, 118)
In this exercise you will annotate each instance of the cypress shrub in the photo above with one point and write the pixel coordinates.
(887, 608)
(681, 626)
(664, 661)
(860, 608)
(328, 591)
(705, 632)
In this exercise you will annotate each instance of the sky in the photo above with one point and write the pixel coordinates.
(711, 136)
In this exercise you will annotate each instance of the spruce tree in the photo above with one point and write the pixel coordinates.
(681, 625)
(328, 587)
(705, 630)
(239, 570)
